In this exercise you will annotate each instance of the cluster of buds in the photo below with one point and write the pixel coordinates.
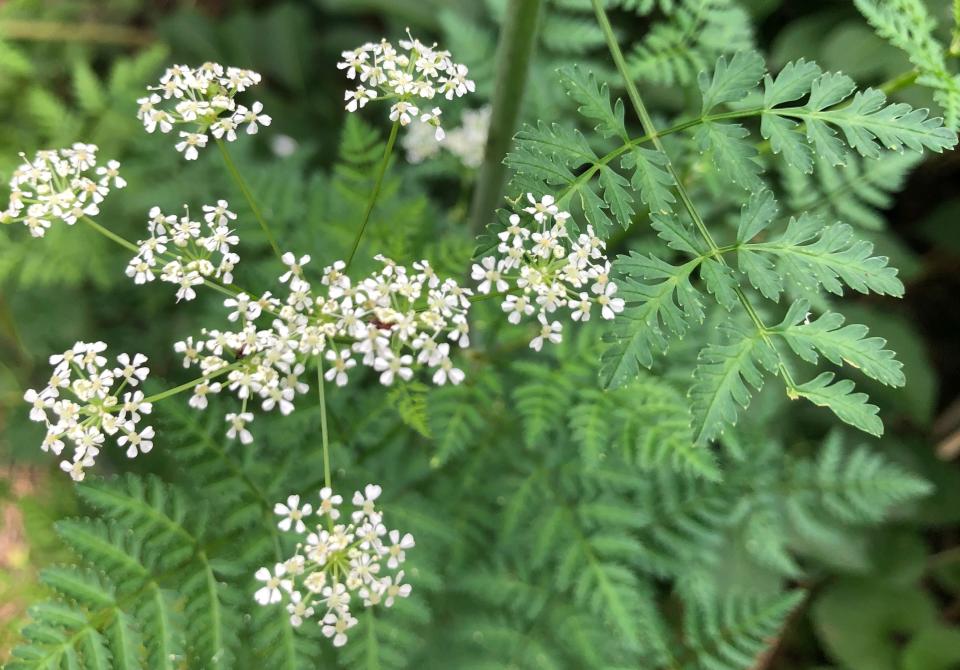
(203, 99)
(85, 400)
(545, 269)
(189, 257)
(416, 72)
(391, 320)
(336, 561)
(63, 185)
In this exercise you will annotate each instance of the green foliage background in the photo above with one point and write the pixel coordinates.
(558, 525)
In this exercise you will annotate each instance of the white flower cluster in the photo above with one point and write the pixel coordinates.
(62, 185)
(188, 256)
(335, 562)
(549, 270)
(467, 141)
(203, 100)
(390, 321)
(413, 73)
(85, 400)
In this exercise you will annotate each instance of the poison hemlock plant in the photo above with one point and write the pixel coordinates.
(574, 505)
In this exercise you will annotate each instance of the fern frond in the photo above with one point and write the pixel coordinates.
(852, 193)
(729, 634)
(688, 39)
(855, 486)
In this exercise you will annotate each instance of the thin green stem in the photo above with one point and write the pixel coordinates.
(186, 386)
(323, 424)
(123, 242)
(685, 199)
(248, 194)
(514, 50)
(372, 200)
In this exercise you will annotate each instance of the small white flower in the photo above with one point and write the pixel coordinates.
(542, 209)
(366, 503)
(328, 503)
(394, 588)
(273, 582)
(396, 551)
(295, 266)
(489, 272)
(292, 513)
(141, 442)
(341, 362)
(238, 427)
(132, 371)
(189, 144)
(548, 331)
(358, 98)
(298, 609)
(336, 626)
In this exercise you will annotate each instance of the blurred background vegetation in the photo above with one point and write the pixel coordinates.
(71, 70)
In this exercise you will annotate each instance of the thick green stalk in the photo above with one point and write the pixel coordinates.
(248, 194)
(387, 152)
(685, 199)
(517, 40)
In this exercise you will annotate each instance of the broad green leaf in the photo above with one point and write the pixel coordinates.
(678, 234)
(720, 281)
(756, 215)
(650, 177)
(840, 344)
(720, 382)
(791, 83)
(787, 140)
(617, 196)
(593, 101)
(850, 406)
(731, 81)
(664, 302)
(812, 256)
(733, 155)
(594, 209)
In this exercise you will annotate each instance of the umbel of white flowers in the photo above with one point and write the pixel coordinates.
(188, 255)
(85, 400)
(62, 185)
(392, 320)
(543, 269)
(337, 561)
(409, 75)
(202, 100)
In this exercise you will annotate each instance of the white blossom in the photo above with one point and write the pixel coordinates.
(82, 404)
(335, 564)
(292, 513)
(62, 185)
(543, 270)
(186, 253)
(203, 99)
(413, 72)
